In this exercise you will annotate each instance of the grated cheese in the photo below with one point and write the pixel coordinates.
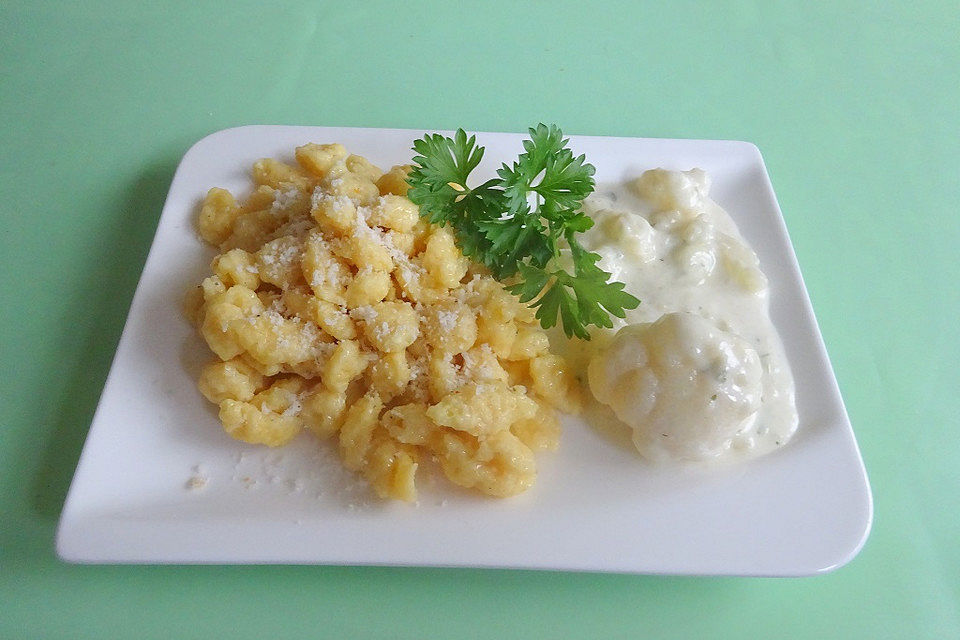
(409, 270)
(365, 313)
(447, 320)
(282, 200)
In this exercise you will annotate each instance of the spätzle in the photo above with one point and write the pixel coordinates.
(334, 308)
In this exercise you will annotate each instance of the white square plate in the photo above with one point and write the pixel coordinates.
(596, 506)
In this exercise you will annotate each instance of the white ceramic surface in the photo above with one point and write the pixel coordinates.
(596, 505)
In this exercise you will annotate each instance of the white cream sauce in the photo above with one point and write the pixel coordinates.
(678, 251)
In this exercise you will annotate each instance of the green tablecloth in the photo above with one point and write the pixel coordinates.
(855, 107)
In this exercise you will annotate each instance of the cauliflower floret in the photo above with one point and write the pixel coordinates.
(685, 387)
(631, 234)
(742, 265)
(685, 191)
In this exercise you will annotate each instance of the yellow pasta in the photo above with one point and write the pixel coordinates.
(334, 309)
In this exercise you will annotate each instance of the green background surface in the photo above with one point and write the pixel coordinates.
(854, 106)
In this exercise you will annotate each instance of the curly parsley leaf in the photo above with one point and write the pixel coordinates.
(549, 170)
(585, 298)
(438, 184)
(518, 223)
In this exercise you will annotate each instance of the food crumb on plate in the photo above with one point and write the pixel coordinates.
(198, 479)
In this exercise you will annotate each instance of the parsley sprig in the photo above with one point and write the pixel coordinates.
(519, 223)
